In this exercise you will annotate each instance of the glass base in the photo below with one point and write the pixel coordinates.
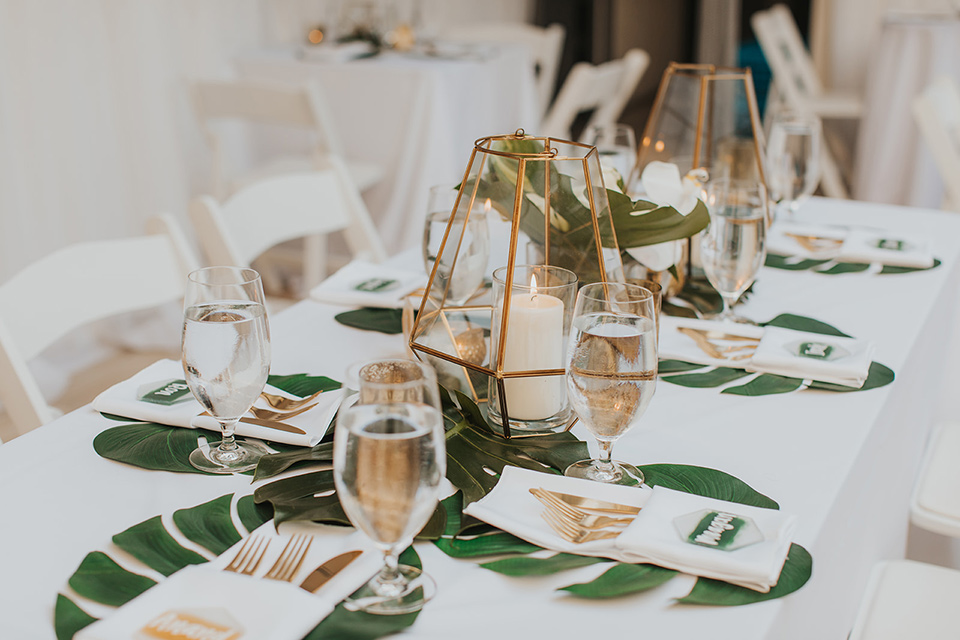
(212, 459)
(407, 595)
(621, 473)
(557, 423)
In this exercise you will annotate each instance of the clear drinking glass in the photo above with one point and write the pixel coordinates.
(617, 146)
(388, 462)
(474, 251)
(611, 371)
(793, 158)
(733, 246)
(226, 357)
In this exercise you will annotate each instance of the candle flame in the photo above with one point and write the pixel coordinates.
(533, 287)
(486, 206)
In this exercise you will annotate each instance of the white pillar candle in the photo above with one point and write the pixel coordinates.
(534, 342)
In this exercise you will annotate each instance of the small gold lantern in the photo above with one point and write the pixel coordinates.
(558, 228)
(705, 116)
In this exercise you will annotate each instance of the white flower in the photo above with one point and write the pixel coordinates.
(663, 186)
(611, 179)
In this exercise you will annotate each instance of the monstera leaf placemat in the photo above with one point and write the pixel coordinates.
(832, 267)
(102, 580)
(689, 374)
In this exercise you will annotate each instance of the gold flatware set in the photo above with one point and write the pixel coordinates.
(287, 565)
(570, 516)
(720, 345)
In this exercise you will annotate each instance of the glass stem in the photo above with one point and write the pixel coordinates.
(389, 582)
(605, 462)
(227, 428)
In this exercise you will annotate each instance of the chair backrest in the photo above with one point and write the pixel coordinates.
(76, 285)
(266, 213)
(937, 114)
(791, 64)
(545, 45)
(604, 88)
(264, 103)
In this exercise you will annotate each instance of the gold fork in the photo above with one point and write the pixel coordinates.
(267, 414)
(287, 404)
(576, 516)
(249, 556)
(287, 565)
(575, 533)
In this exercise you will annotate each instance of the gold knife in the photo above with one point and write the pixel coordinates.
(319, 576)
(594, 504)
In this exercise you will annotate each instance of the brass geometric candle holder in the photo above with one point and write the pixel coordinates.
(552, 194)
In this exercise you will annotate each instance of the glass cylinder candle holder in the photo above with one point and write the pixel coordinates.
(532, 311)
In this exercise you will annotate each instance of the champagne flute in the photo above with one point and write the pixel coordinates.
(472, 253)
(611, 371)
(733, 247)
(793, 158)
(388, 462)
(226, 358)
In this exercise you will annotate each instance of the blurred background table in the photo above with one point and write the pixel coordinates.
(416, 115)
(894, 165)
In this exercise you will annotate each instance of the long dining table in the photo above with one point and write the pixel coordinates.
(844, 463)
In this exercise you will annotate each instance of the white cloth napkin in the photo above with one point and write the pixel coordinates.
(849, 245)
(846, 361)
(511, 507)
(345, 287)
(206, 596)
(656, 536)
(122, 399)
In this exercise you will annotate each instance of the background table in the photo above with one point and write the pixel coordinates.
(844, 462)
(416, 116)
(894, 164)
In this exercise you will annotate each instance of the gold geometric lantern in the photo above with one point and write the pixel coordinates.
(706, 117)
(506, 343)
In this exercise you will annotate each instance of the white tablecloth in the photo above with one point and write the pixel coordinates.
(894, 164)
(843, 462)
(417, 117)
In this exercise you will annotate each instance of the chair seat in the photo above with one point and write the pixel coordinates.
(363, 174)
(935, 504)
(907, 599)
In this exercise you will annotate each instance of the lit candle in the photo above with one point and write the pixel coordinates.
(534, 342)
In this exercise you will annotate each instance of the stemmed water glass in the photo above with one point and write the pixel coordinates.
(226, 358)
(733, 247)
(611, 371)
(472, 253)
(793, 158)
(388, 461)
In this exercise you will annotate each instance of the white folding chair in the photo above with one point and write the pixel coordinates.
(274, 210)
(266, 103)
(907, 599)
(76, 285)
(797, 86)
(937, 114)
(545, 45)
(935, 502)
(605, 88)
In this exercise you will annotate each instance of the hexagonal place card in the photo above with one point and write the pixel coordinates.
(717, 529)
(817, 350)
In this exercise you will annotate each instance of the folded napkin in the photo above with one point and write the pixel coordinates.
(698, 535)
(364, 284)
(784, 352)
(122, 399)
(849, 245)
(202, 601)
(653, 537)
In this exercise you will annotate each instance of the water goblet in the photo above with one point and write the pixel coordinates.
(226, 358)
(617, 146)
(472, 253)
(733, 246)
(793, 158)
(388, 462)
(611, 371)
